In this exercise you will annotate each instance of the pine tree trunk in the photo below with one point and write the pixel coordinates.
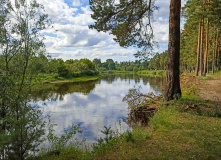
(213, 61)
(207, 44)
(207, 63)
(218, 56)
(206, 51)
(198, 50)
(216, 49)
(173, 72)
(201, 46)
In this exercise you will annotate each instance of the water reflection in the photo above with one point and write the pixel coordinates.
(93, 104)
(57, 91)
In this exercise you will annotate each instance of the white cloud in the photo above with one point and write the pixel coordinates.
(71, 37)
(76, 3)
(58, 11)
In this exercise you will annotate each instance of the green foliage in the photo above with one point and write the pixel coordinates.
(152, 73)
(105, 144)
(83, 67)
(195, 12)
(89, 64)
(135, 69)
(155, 62)
(129, 136)
(62, 71)
(22, 125)
(129, 68)
(63, 145)
(47, 69)
(97, 62)
(109, 135)
(126, 20)
(159, 61)
(58, 142)
(151, 101)
(190, 89)
(67, 153)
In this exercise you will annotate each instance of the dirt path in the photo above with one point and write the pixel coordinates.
(211, 90)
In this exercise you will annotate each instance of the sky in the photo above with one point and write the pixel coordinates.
(69, 36)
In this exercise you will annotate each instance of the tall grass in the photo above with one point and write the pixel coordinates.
(152, 72)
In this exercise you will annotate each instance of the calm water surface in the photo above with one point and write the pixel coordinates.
(93, 104)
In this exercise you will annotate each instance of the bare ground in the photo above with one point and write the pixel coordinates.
(211, 90)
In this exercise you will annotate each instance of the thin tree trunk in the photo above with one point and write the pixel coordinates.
(207, 58)
(173, 72)
(216, 49)
(207, 63)
(201, 46)
(207, 44)
(213, 60)
(218, 54)
(198, 50)
(206, 50)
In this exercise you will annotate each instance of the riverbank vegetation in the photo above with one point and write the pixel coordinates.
(47, 69)
(152, 72)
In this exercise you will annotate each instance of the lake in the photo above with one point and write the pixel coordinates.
(92, 104)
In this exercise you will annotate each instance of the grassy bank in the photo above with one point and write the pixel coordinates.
(174, 135)
(207, 77)
(53, 78)
(118, 72)
(152, 73)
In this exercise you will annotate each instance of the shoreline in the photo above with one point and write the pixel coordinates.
(69, 80)
(79, 79)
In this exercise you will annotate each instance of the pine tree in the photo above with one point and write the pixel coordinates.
(205, 15)
(173, 64)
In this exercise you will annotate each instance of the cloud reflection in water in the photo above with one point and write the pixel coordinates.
(102, 106)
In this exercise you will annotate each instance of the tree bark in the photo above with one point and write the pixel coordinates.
(201, 46)
(216, 49)
(207, 43)
(218, 54)
(173, 72)
(198, 51)
(213, 61)
(206, 51)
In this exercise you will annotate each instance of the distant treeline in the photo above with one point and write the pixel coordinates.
(42, 64)
(59, 67)
(158, 62)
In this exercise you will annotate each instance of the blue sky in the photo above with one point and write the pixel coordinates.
(70, 37)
